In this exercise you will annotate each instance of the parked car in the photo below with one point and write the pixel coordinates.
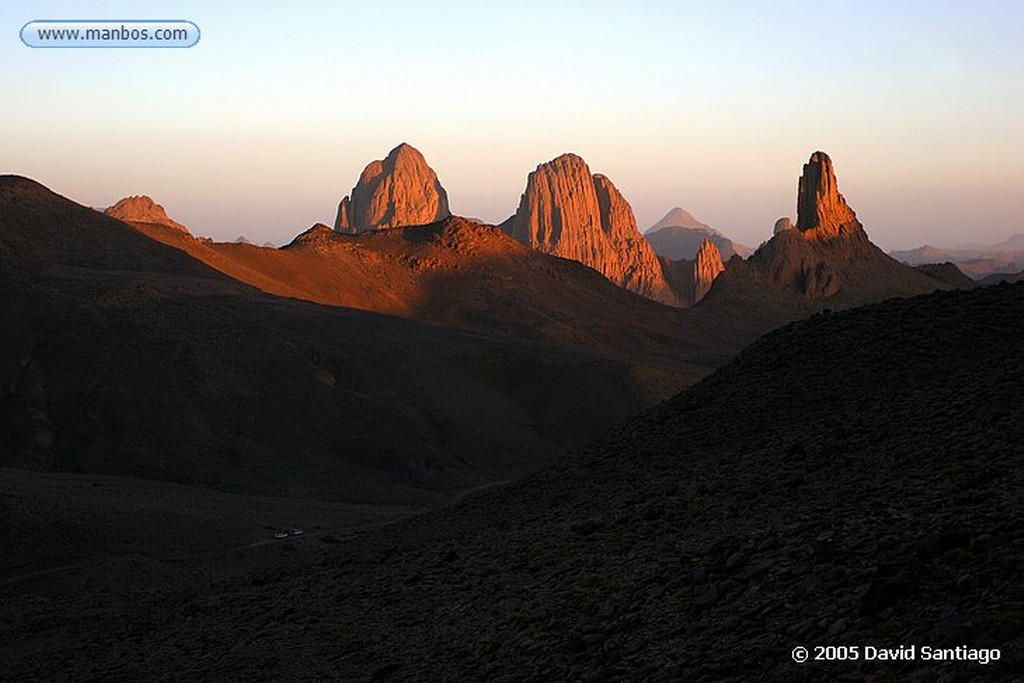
(288, 533)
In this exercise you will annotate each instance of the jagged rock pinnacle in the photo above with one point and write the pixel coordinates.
(821, 210)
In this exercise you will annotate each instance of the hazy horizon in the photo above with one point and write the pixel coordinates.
(267, 122)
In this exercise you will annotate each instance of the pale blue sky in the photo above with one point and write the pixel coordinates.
(267, 122)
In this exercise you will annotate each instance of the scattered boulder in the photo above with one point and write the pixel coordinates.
(784, 223)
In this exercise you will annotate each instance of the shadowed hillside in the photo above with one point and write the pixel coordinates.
(851, 479)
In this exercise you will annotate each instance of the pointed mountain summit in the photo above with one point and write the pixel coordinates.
(569, 212)
(679, 218)
(399, 190)
(142, 209)
(821, 210)
(678, 235)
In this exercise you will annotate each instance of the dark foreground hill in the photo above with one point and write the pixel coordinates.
(853, 479)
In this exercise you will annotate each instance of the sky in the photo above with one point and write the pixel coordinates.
(263, 126)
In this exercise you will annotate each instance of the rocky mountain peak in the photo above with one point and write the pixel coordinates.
(399, 190)
(569, 212)
(679, 218)
(558, 193)
(827, 253)
(821, 210)
(142, 209)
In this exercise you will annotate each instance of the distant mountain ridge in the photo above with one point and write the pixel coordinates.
(569, 212)
(1014, 243)
(979, 261)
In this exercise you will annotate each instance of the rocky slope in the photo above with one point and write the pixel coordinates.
(568, 212)
(399, 190)
(865, 492)
(678, 235)
(947, 272)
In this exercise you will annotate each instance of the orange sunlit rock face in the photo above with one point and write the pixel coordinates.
(142, 209)
(821, 210)
(399, 190)
(569, 212)
(706, 268)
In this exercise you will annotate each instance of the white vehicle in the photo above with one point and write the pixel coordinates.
(283, 533)
(295, 532)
